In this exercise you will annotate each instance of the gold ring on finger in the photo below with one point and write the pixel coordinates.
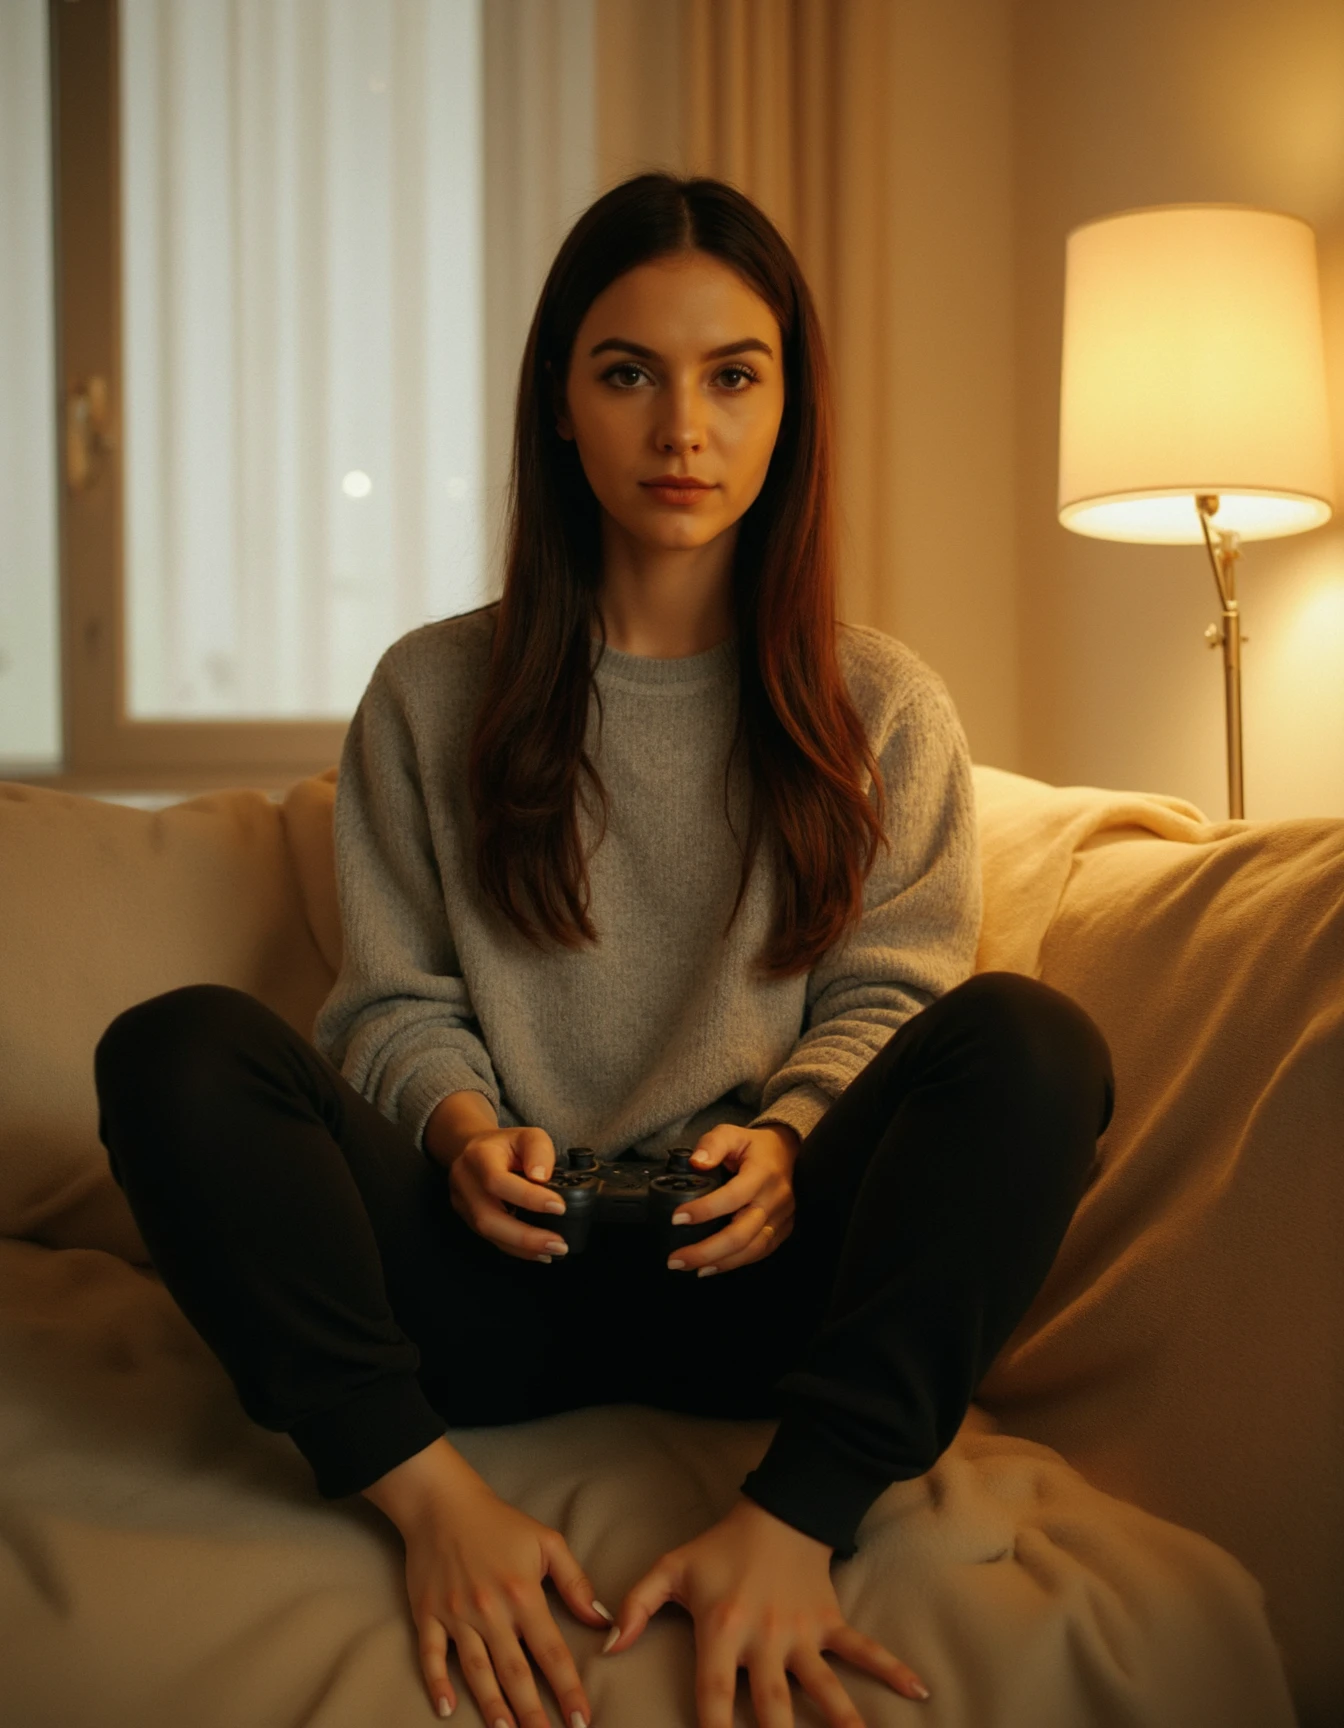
(767, 1229)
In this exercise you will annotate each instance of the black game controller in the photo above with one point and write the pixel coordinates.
(628, 1190)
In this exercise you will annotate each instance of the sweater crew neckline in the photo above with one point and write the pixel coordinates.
(712, 666)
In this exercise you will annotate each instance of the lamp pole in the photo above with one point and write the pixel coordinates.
(1224, 549)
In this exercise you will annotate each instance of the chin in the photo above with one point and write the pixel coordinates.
(673, 536)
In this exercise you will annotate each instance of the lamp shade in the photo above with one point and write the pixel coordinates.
(1193, 363)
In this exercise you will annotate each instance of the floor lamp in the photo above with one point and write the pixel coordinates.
(1192, 396)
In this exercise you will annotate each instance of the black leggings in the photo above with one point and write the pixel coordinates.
(315, 1249)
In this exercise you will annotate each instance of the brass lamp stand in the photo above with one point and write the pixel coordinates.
(1224, 550)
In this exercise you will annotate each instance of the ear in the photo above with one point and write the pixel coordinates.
(562, 424)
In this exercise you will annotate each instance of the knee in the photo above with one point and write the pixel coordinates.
(172, 1036)
(1040, 1041)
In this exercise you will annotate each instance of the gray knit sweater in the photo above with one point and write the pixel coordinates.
(662, 1028)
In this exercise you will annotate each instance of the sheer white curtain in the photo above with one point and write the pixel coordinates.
(303, 323)
(30, 716)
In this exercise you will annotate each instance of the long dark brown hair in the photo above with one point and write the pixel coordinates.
(805, 744)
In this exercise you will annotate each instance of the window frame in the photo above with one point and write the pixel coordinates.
(103, 747)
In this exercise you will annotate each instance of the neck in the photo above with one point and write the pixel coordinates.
(665, 602)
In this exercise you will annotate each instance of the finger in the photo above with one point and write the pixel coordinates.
(487, 1217)
(474, 1659)
(714, 1146)
(536, 1153)
(434, 1663)
(512, 1666)
(660, 1584)
(519, 1191)
(744, 1229)
(759, 1248)
(552, 1656)
(736, 1192)
(488, 1177)
(769, 1689)
(570, 1579)
(865, 1652)
(717, 1659)
(818, 1679)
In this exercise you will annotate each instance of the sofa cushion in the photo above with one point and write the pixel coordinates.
(1186, 1351)
(105, 905)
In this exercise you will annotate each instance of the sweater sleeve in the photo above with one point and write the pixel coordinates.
(922, 909)
(398, 1020)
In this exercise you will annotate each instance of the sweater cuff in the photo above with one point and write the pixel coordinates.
(801, 1107)
(808, 1481)
(426, 1088)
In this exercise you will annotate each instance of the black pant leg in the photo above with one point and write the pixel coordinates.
(931, 1201)
(310, 1242)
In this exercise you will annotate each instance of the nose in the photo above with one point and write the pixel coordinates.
(681, 426)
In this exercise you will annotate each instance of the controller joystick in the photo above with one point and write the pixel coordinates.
(628, 1191)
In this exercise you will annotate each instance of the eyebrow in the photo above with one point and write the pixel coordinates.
(625, 347)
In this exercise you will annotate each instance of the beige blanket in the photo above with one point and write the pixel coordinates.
(164, 1561)
(1030, 834)
(166, 1564)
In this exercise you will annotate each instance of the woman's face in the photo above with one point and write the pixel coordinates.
(677, 369)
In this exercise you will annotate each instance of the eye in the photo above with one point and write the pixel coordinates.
(622, 366)
(746, 372)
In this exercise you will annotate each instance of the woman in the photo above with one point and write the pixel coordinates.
(650, 853)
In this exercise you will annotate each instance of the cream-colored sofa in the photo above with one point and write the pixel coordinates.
(1141, 1522)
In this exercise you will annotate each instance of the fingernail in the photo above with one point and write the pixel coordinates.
(676, 1265)
(707, 1271)
(554, 1206)
(612, 1636)
(605, 1613)
(557, 1247)
(544, 1259)
(920, 1691)
(577, 1721)
(538, 1172)
(681, 1217)
(445, 1708)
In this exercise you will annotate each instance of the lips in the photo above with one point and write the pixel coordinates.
(676, 483)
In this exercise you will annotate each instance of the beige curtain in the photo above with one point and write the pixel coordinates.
(539, 121)
(876, 134)
(785, 99)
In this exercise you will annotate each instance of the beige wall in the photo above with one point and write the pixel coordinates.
(964, 138)
(1130, 102)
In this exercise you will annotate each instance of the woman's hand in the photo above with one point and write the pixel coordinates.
(761, 1596)
(474, 1571)
(488, 1170)
(759, 1193)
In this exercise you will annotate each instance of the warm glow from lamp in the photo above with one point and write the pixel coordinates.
(1193, 364)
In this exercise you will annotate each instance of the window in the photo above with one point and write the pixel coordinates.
(267, 282)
